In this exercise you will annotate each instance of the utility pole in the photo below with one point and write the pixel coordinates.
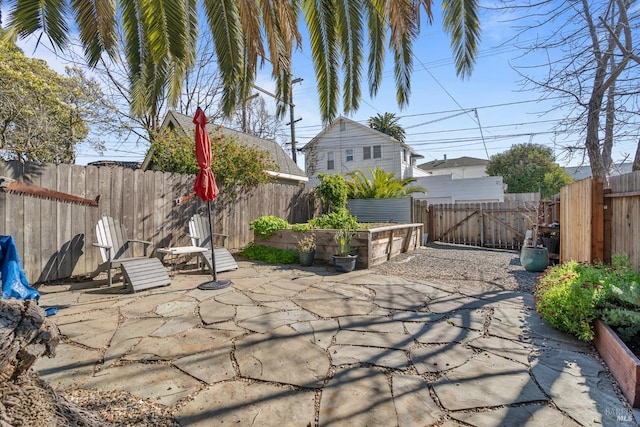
(294, 154)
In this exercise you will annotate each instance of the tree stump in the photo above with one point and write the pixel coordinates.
(25, 399)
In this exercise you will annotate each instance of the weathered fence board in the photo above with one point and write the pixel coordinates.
(55, 239)
(493, 225)
(582, 221)
(623, 204)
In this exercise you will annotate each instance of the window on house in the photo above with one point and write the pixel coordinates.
(330, 162)
(366, 153)
(377, 151)
(349, 153)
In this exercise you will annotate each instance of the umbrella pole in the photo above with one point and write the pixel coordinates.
(213, 254)
(215, 284)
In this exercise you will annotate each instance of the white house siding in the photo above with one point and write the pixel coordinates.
(445, 189)
(462, 172)
(337, 142)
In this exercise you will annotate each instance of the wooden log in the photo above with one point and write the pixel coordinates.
(25, 335)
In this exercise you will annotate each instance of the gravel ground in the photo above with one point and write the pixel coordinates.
(455, 264)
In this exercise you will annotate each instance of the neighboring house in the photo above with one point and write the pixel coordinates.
(288, 171)
(116, 164)
(584, 171)
(445, 189)
(460, 168)
(345, 146)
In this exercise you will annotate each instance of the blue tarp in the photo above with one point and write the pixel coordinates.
(14, 281)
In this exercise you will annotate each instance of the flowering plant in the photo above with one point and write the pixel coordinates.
(307, 243)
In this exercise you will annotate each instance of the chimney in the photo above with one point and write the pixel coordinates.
(445, 157)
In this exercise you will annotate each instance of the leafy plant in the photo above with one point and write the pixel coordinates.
(267, 224)
(380, 185)
(307, 243)
(571, 295)
(233, 164)
(343, 239)
(333, 191)
(337, 219)
(299, 228)
(270, 255)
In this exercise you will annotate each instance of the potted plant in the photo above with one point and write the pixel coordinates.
(533, 255)
(307, 249)
(343, 260)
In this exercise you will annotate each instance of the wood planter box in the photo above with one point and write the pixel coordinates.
(624, 365)
(373, 246)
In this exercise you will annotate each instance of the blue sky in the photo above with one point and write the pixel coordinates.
(479, 116)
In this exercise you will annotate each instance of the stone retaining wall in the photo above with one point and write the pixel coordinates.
(373, 246)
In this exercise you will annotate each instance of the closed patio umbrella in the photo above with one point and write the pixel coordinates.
(205, 187)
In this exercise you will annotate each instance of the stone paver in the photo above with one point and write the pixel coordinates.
(357, 397)
(349, 354)
(239, 403)
(168, 384)
(439, 357)
(371, 324)
(525, 416)
(487, 381)
(209, 366)
(413, 401)
(282, 356)
(577, 385)
(71, 366)
(289, 346)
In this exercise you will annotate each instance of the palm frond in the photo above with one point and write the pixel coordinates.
(377, 43)
(462, 24)
(96, 22)
(321, 20)
(226, 28)
(48, 16)
(350, 30)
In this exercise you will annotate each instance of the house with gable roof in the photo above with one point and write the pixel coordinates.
(459, 168)
(346, 145)
(287, 171)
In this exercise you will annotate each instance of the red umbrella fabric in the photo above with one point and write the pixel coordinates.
(205, 186)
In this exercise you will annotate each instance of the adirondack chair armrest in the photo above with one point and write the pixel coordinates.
(146, 244)
(197, 239)
(224, 237)
(107, 248)
(98, 245)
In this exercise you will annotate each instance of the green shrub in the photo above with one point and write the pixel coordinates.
(267, 224)
(270, 255)
(300, 228)
(571, 295)
(338, 219)
(333, 191)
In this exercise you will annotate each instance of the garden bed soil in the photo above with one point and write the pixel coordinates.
(623, 363)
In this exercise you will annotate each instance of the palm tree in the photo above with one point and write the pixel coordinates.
(159, 40)
(387, 123)
(382, 185)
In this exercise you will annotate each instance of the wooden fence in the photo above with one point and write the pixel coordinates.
(622, 217)
(492, 225)
(582, 221)
(54, 239)
(598, 222)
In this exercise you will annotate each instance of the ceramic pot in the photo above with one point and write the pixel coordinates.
(306, 258)
(344, 263)
(534, 259)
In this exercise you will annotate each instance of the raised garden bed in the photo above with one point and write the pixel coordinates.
(624, 365)
(373, 246)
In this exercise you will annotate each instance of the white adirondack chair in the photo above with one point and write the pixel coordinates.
(116, 251)
(200, 234)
